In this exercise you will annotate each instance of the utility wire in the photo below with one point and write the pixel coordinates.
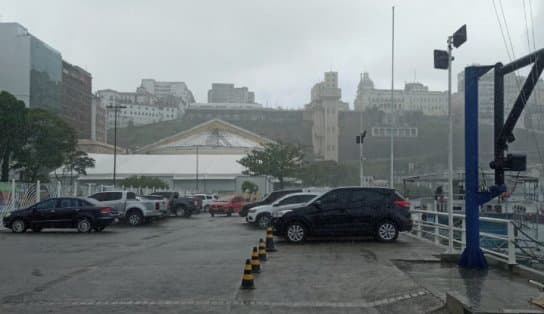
(502, 31)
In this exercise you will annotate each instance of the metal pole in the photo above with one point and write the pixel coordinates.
(450, 153)
(361, 151)
(392, 176)
(196, 168)
(114, 145)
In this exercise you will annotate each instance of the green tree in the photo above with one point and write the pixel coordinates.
(77, 162)
(144, 182)
(12, 123)
(48, 142)
(276, 159)
(250, 187)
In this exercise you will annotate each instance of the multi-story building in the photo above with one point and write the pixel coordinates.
(323, 109)
(227, 93)
(177, 91)
(98, 121)
(76, 104)
(30, 69)
(532, 116)
(139, 108)
(414, 97)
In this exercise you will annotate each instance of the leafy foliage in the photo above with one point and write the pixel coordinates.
(277, 159)
(48, 142)
(12, 122)
(144, 182)
(250, 187)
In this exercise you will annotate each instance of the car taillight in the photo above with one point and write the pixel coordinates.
(402, 203)
(157, 205)
(105, 210)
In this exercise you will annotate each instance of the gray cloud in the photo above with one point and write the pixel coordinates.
(278, 49)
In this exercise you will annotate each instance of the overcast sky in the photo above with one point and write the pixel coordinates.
(278, 49)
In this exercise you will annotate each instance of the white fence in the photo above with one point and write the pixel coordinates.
(14, 195)
(430, 225)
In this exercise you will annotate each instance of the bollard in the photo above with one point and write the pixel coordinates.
(247, 277)
(255, 263)
(270, 240)
(262, 250)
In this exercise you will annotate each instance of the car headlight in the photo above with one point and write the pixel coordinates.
(282, 212)
(8, 214)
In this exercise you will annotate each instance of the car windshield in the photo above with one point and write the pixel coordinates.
(359, 139)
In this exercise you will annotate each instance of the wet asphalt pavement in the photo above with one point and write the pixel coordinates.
(195, 265)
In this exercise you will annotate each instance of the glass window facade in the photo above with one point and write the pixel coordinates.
(45, 76)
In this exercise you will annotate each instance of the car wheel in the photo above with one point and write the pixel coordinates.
(296, 232)
(186, 213)
(180, 211)
(229, 213)
(36, 229)
(18, 226)
(135, 218)
(387, 231)
(84, 225)
(263, 221)
(212, 214)
(206, 208)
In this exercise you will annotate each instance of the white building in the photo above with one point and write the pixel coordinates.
(140, 108)
(323, 108)
(225, 106)
(227, 93)
(169, 89)
(414, 97)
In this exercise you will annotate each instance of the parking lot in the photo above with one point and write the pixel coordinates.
(195, 265)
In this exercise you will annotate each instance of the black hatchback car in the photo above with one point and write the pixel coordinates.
(347, 211)
(64, 212)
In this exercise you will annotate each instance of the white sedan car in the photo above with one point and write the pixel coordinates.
(261, 216)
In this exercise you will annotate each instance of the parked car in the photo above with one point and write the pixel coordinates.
(267, 199)
(206, 199)
(261, 216)
(63, 212)
(178, 206)
(381, 212)
(227, 205)
(163, 203)
(135, 211)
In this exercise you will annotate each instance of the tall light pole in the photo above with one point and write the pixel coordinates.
(115, 108)
(442, 60)
(392, 160)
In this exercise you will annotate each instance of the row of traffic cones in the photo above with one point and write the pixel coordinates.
(258, 255)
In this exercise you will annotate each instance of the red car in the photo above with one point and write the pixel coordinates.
(227, 205)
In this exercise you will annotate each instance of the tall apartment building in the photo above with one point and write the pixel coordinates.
(98, 120)
(76, 102)
(30, 69)
(227, 93)
(323, 109)
(141, 107)
(532, 115)
(414, 97)
(170, 90)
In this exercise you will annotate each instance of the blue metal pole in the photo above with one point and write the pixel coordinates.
(472, 256)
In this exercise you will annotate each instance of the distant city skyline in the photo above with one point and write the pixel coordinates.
(278, 51)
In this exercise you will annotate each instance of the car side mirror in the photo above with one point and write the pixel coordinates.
(317, 204)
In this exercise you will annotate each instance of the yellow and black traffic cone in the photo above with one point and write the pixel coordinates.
(255, 263)
(262, 250)
(247, 277)
(270, 240)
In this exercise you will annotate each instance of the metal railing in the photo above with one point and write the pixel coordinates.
(430, 225)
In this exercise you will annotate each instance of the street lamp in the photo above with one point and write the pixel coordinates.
(442, 60)
(115, 108)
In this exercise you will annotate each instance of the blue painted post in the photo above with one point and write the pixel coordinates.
(472, 256)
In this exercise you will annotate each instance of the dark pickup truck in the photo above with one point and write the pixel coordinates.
(178, 206)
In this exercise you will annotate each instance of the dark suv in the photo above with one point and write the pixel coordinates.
(268, 199)
(381, 212)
